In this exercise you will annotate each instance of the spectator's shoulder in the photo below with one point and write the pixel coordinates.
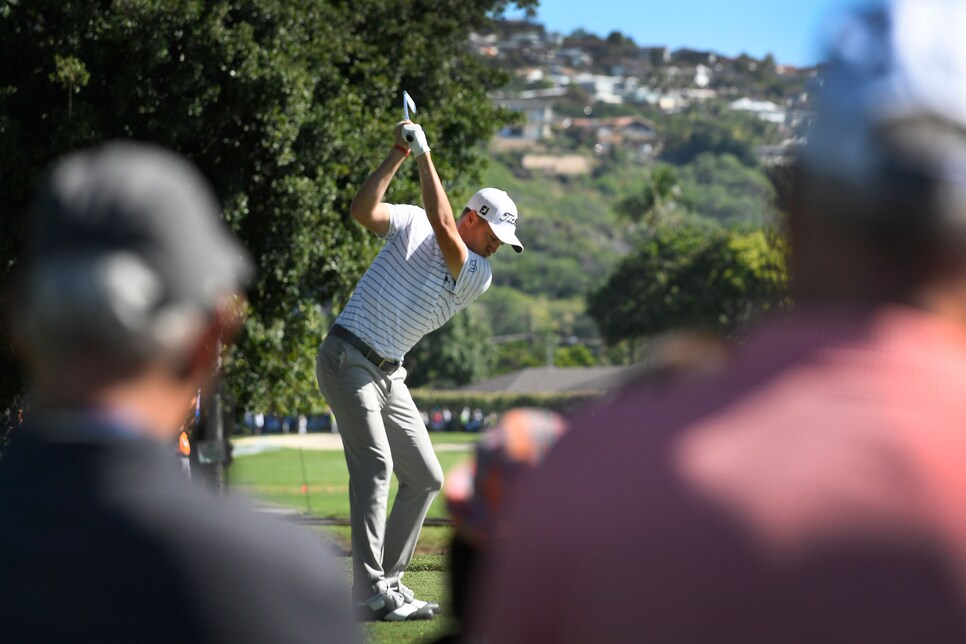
(236, 556)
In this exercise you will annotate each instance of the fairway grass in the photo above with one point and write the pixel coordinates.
(276, 477)
(321, 487)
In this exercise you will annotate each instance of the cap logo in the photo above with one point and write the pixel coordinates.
(509, 218)
(484, 210)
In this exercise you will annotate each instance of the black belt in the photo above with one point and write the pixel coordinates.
(368, 352)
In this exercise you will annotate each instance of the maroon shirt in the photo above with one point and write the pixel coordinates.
(812, 491)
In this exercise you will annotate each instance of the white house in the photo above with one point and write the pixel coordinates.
(604, 89)
(702, 76)
(539, 118)
(765, 110)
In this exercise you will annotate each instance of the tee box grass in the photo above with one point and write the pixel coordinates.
(276, 477)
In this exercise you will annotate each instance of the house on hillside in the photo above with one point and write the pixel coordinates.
(527, 35)
(536, 127)
(655, 56)
(765, 110)
(558, 165)
(672, 101)
(702, 76)
(604, 89)
(778, 155)
(694, 57)
(530, 75)
(486, 45)
(574, 57)
(636, 134)
(699, 94)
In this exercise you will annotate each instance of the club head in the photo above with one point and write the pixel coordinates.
(408, 104)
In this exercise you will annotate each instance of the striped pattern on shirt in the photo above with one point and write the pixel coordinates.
(408, 290)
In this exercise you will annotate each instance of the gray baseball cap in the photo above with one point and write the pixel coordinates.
(892, 67)
(130, 236)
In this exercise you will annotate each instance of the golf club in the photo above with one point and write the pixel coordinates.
(408, 104)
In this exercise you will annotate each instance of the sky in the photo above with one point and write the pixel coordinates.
(784, 28)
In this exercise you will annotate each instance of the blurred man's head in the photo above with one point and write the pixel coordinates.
(477, 493)
(128, 271)
(880, 188)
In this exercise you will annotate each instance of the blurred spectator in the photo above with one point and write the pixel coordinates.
(479, 492)
(682, 353)
(436, 421)
(812, 489)
(476, 420)
(130, 282)
(188, 433)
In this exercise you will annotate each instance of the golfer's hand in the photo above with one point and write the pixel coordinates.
(400, 139)
(414, 137)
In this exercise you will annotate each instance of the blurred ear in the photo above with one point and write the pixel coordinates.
(201, 363)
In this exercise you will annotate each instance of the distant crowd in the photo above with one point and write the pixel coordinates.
(437, 419)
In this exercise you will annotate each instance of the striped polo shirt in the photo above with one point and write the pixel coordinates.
(408, 290)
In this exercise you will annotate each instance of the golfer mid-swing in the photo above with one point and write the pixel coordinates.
(430, 268)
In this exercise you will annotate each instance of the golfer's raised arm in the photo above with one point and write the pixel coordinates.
(436, 203)
(367, 207)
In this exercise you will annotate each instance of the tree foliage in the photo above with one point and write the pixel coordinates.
(697, 276)
(717, 130)
(721, 187)
(712, 186)
(458, 353)
(659, 200)
(577, 355)
(285, 105)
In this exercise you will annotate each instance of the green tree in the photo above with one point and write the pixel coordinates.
(560, 261)
(659, 200)
(509, 311)
(719, 186)
(520, 354)
(717, 130)
(458, 353)
(73, 75)
(285, 105)
(577, 355)
(699, 276)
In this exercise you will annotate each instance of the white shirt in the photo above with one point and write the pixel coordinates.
(408, 290)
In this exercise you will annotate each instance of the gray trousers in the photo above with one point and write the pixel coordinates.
(382, 433)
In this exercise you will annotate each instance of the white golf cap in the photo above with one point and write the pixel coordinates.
(496, 207)
(890, 63)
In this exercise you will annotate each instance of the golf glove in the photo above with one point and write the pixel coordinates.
(414, 135)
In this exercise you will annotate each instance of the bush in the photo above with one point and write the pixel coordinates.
(563, 403)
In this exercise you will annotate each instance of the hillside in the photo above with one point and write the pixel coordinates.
(649, 138)
(570, 232)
